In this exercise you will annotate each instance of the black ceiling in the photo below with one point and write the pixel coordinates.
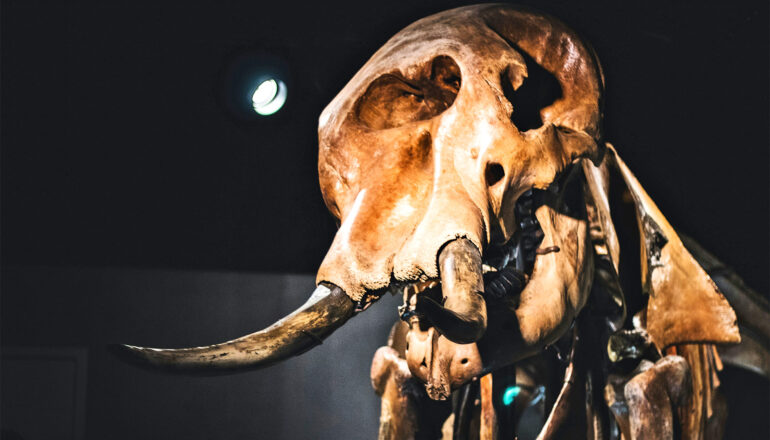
(117, 149)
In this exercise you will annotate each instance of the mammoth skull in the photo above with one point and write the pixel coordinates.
(458, 162)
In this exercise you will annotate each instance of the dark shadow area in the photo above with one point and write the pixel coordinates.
(748, 400)
(59, 381)
(539, 90)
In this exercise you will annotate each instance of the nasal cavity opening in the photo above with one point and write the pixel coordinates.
(494, 173)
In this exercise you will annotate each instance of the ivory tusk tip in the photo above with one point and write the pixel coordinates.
(128, 353)
(155, 360)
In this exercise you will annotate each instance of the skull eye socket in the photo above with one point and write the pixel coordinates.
(538, 90)
(393, 100)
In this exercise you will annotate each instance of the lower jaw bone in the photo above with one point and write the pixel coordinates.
(440, 363)
(556, 291)
(518, 327)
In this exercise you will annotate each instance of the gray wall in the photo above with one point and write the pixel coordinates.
(322, 394)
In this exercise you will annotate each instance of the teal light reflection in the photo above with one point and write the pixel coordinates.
(510, 394)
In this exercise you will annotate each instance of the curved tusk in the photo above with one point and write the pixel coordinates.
(463, 317)
(325, 311)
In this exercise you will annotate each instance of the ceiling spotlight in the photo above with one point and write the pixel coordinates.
(269, 96)
(254, 87)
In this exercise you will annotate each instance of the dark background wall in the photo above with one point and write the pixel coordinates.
(62, 380)
(118, 151)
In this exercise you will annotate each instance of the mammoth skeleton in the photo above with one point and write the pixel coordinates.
(466, 165)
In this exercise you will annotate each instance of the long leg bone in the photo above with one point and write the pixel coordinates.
(406, 411)
(644, 403)
(398, 412)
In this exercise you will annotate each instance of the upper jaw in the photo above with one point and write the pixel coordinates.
(506, 267)
(521, 249)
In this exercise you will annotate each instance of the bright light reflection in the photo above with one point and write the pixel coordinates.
(269, 97)
(510, 394)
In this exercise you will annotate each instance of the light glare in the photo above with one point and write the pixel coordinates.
(510, 394)
(269, 97)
